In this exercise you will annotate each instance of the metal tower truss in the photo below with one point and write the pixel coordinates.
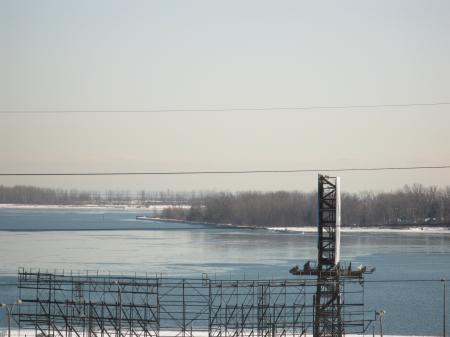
(328, 302)
(329, 222)
(334, 313)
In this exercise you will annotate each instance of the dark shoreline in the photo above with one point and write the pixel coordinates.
(388, 226)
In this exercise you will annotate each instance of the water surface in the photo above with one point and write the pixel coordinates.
(114, 241)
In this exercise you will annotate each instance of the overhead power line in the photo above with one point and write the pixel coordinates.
(273, 108)
(428, 167)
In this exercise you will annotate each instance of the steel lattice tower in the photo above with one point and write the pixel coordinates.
(327, 318)
(331, 273)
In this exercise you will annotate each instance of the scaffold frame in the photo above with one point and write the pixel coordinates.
(58, 304)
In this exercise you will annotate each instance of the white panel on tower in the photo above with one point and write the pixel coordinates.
(337, 253)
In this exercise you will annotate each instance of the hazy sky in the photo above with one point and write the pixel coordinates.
(122, 55)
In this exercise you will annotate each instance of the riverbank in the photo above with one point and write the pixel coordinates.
(147, 218)
(430, 229)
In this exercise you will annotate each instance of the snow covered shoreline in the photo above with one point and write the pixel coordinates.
(313, 229)
(305, 229)
(409, 230)
(84, 207)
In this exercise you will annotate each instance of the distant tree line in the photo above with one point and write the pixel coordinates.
(47, 196)
(414, 204)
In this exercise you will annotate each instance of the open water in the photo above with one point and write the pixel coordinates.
(114, 241)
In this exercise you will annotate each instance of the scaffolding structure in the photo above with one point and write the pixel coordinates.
(92, 305)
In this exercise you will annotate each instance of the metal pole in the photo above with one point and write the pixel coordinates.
(444, 330)
(380, 313)
(9, 311)
(9, 321)
(120, 312)
(119, 317)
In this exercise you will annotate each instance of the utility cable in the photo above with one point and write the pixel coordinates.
(273, 108)
(392, 168)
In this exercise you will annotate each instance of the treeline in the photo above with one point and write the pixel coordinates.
(251, 208)
(414, 204)
(411, 205)
(47, 196)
